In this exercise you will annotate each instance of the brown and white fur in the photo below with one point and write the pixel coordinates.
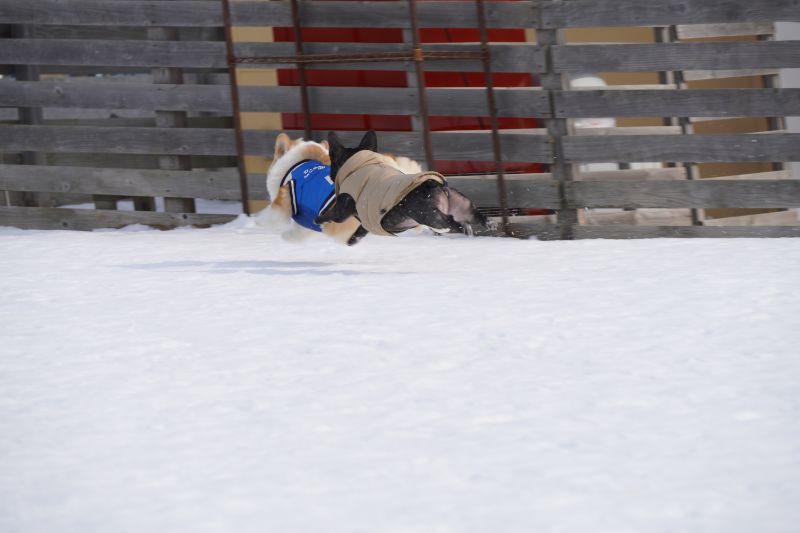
(288, 153)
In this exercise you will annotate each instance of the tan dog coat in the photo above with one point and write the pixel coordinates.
(377, 187)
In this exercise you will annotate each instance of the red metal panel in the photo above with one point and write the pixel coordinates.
(372, 78)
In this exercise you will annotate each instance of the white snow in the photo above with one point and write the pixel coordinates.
(224, 380)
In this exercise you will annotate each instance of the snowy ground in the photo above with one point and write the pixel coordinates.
(226, 381)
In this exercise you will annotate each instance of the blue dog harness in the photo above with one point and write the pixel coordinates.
(312, 191)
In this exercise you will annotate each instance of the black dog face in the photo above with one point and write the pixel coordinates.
(340, 154)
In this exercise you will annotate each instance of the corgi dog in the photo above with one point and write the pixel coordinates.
(387, 200)
(295, 159)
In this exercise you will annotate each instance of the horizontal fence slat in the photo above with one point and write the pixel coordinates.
(676, 56)
(472, 145)
(697, 31)
(591, 13)
(394, 14)
(193, 98)
(505, 57)
(548, 232)
(687, 194)
(703, 75)
(790, 217)
(518, 57)
(221, 184)
(90, 219)
(686, 103)
(701, 232)
(391, 14)
(683, 148)
(520, 192)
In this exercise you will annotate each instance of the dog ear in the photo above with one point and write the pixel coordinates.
(282, 145)
(369, 142)
(325, 145)
(333, 142)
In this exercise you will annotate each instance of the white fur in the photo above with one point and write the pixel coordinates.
(284, 163)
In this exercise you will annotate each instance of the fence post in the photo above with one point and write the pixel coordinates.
(557, 129)
(27, 115)
(169, 119)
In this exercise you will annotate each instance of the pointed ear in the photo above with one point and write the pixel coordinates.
(325, 145)
(369, 141)
(282, 145)
(334, 145)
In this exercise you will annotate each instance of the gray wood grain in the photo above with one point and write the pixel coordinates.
(90, 219)
(697, 31)
(220, 184)
(676, 56)
(522, 102)
(520, 193)
(473, 145)
(392, 14)
(593, 13)
(518, 57)
(701, 232)
(684, 148)
(685, 194)
(685, 103)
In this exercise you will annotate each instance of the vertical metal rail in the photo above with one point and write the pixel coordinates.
(421, 92)
(498, 154)
(301, 69)
(236, 107)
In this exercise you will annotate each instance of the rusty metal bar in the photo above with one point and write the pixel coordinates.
(427, 55)
(419, 58)
(301, 69)
(498, 153)
(237, 121)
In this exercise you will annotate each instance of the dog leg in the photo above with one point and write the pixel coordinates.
(278, 212)
(342, 208)
(357, 236)
(341, 232)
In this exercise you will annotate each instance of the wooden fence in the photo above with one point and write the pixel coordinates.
(170, 132)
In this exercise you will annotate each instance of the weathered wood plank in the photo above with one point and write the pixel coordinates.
(780, 218)
(701, 75)
(391, 14)
(695, 103)
(591, 13)
(699, 31)
(473, 145)
(519, 192)
(701, 232)
(90, 219)
(784, 174)
(638, 217)
(686, 194)
(517, 102)
(207, 54)
(676, 56)
(684, 148)
(115, 33)
(220, 184)
(636, 175)
(168, 119)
